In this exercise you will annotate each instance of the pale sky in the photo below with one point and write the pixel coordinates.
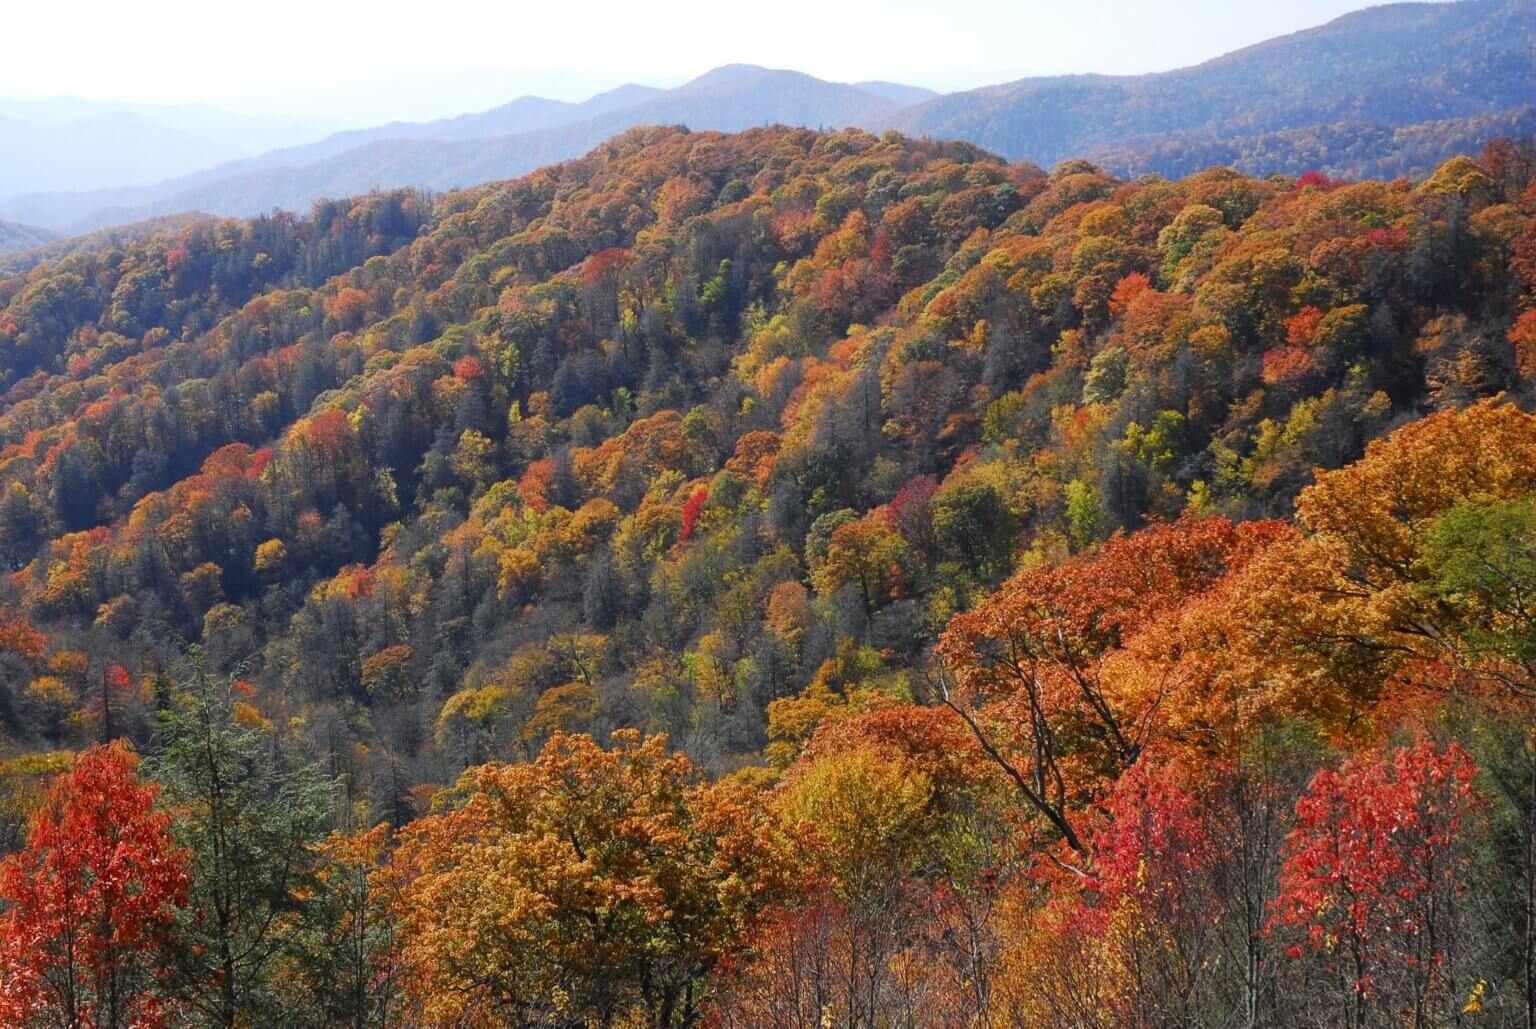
(189, 50)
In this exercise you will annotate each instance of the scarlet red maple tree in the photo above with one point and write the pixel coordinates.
(89, 902)
(1373, 872)
(693, 510)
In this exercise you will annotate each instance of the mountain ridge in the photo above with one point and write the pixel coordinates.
(16, 237)
(730, 98)
(1398, 64)
(1380, 92)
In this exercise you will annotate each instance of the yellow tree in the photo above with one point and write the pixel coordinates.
(867, 554)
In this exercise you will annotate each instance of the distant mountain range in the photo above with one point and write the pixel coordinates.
(1402, 64)
(1386, 91)
(66, 143)
(503, 142)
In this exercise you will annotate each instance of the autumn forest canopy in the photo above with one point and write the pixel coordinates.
(781, 579)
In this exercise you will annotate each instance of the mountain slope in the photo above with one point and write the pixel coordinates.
(1397, 65)
(898, 91)
(808, 456)
(14, 237)
(52, 247)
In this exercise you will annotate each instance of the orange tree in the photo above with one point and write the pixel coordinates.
(1047, 673)
(1412, 566)
(588, 886)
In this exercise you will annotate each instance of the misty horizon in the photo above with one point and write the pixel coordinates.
(376, 79)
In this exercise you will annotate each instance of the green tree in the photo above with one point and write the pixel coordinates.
(252, 825)
(1087, 521)
(975, 525)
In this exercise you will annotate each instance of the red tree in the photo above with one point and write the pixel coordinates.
(693, 509)
(1372, 876)
(89, 901)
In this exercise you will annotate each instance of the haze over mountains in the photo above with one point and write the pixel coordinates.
(1386, 91)
(65, 143)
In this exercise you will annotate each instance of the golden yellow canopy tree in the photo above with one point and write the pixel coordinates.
(591, 887)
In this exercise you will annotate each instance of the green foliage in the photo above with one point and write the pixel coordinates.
(1087, 522)
(251, 825)
(974, 523)
(1481, 559)
(1161, 445)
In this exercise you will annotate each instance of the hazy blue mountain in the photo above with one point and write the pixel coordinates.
(115, 148)
(499, 143)
(525, 114)
(899, 92)
(65, 143)
(1397, 65)
(423, 95)
(249, 133)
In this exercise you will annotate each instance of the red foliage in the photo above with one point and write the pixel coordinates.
(1156, 843)
(693, 508)
(18, 637)
(1376, 854)
(1287, 364)
(327, 434)
(468, 367)
(1390, 239)
(533, 487)
(606, 265)
(1301, 327)
(90, 899)
(1523, 336)
(910, 511)
(1128, 289)
(259, 461)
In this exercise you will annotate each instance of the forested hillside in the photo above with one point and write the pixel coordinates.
(21, 237)
(779, 579)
